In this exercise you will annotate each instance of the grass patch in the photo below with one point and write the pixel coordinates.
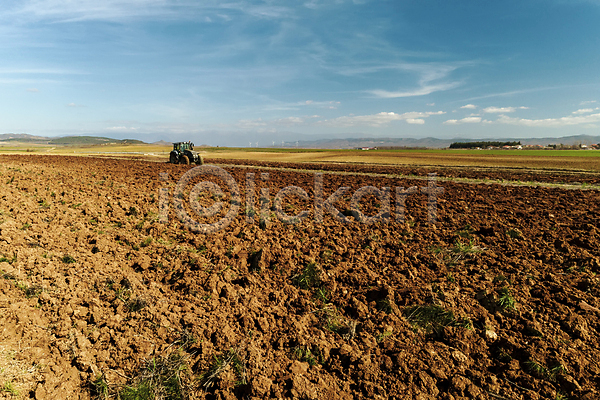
(311, 355)
(457, 252)
(308, 278)
(30, 291)
(159, 378)
(463, 249)
(322, 294)
(432, 318)
(100, 387)
(333, 321)
(10, 388)
(385, 305)
(382, 336)
(466, 232)
(514, 234)
(135, 305)
(232, 359)
(67, 259)
(505, 300)
(8, 260)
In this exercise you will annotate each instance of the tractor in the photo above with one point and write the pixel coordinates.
(183, 153)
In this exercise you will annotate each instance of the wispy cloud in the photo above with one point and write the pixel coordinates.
(515, 92)
(502, 110)
(64, 11)
(552, 122)
(467, 120)
(380, 119)
(281, 106)
(260, 123)
(469, 106)
(122, 129)
(583, 111)
(33, 76)
(422, 91)
(39, 71)
(427, 75)
(583, 103)
(32, 90)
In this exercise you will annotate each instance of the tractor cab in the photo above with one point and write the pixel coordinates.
(183, 153)
(181, 146)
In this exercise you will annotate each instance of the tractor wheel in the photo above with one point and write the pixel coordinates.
(200, 161)
(173, 159)
(185, 160)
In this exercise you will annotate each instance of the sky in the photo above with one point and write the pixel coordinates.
(262, 72)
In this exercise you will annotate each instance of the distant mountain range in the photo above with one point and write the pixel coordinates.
(65, 141)
(337, 143)
(432, 143)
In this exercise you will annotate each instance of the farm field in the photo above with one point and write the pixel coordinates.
(498, 299)
(553, 159)
(572, 160)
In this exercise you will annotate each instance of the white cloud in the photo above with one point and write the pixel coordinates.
(280, 106)
(121, 10)
(122, 129)
(552, 122)
(469, 106)
(429, 77)
(497, 110)
(39, 71)
(587, 102)
(422, 91)
(32, 90)
(467, 120)
(431, 104)
(382, 118)
(260, 123)
(513, 92)
(583, 111)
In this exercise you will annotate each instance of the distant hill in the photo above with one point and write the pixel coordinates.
(430, 142)
(162, 143)
(22, 137)
(91, 140)
(301, 141)
(66, 140)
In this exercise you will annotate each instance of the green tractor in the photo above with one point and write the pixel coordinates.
(183, 153)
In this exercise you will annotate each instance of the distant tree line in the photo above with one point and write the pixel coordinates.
(483, 145)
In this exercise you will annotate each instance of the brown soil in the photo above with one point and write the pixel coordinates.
(523, 174)
(94, 285)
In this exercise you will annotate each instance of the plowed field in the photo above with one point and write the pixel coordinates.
(498, 299)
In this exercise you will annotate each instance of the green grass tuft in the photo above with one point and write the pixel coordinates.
(10, 388)
(308, 278)
(67, 259)
(159, 378)
(432, 318)
(506, 301)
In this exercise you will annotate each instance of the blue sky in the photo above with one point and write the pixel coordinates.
(239, 72)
